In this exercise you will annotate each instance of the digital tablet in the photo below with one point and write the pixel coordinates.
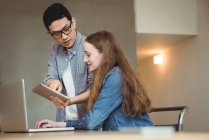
(46, 92)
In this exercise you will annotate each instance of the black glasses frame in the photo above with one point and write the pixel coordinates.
(65, 30)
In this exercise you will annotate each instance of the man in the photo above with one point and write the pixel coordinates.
(67, 72)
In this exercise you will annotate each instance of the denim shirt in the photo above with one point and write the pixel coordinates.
(106, 110)
(59, 59)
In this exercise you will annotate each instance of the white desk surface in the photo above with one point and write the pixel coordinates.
(95, 135)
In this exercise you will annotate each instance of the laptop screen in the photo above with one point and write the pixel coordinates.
(13, 107)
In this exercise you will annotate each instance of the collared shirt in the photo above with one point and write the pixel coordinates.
(106, 110)
(58, 61)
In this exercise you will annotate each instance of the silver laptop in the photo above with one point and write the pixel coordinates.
(13, 109)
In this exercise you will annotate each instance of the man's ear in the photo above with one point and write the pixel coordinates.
(74, 22)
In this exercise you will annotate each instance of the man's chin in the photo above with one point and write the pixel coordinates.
(68, 46)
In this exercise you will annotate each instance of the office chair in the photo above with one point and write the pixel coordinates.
(181, 109)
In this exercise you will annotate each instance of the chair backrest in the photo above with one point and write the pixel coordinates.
(181, 109)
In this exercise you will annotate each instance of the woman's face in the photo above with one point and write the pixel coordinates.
(93, 58)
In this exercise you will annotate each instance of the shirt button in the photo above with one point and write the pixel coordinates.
(66, 60)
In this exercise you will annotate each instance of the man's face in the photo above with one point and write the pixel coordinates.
(63, 31)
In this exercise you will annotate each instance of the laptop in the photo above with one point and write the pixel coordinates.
(13, 110)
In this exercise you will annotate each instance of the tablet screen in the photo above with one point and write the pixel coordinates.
(46, 92)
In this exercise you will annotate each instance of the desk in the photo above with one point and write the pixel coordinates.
(86, 135)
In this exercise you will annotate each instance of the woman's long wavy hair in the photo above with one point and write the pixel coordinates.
(135, 99)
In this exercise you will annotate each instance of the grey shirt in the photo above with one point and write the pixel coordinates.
(58, 61)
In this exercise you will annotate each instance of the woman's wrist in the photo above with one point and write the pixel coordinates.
(61, 124)
(68, 102)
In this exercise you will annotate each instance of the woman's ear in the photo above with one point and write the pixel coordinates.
(74, 22)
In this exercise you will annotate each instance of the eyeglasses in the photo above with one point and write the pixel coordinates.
(66, 30)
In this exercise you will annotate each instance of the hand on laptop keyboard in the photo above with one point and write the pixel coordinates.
(49, 124)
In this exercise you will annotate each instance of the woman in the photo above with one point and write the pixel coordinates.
(117, 99)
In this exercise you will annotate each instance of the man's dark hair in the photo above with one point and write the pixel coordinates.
(54, 12)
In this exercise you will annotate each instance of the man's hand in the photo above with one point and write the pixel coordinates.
(54, 84)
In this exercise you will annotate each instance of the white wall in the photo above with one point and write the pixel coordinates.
(25, 45)
(183, 78)
(166, 16)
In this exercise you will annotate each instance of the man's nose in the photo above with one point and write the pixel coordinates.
(64, 36)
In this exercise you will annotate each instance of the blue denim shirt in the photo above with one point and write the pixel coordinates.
(106, 110)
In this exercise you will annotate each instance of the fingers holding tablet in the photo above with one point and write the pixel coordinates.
(59, 103)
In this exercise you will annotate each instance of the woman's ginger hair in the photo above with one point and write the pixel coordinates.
(135, 99)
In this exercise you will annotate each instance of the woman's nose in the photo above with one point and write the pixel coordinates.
(85, 59)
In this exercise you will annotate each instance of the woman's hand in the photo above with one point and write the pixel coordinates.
(49, 124)
(59, 103)
(82, 98)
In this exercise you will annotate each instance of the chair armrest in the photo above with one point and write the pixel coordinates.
(175, 108)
